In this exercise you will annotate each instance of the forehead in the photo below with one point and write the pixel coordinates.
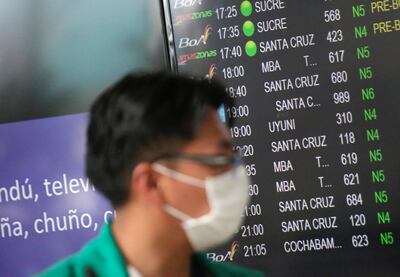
(212, 135)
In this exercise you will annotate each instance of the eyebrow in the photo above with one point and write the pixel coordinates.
(225, 144)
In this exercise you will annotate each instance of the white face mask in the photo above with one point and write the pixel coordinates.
(227, 195)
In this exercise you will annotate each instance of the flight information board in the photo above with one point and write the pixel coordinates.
(317, 120)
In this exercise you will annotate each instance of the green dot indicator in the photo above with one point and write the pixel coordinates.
(251, 48)
(246, 8)
(248, 28)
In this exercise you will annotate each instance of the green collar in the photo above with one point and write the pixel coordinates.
(104, 255)
(104, 258)
(101, 257)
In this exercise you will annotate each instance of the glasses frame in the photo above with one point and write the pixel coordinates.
(218, 160)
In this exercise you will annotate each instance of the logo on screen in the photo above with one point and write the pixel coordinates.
(186, 3)
(179, 19)
(212, 71)
(234, 249)
(227, 257)
(187, 42)
(183, 59)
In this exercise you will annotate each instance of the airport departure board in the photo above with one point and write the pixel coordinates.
(317, 119)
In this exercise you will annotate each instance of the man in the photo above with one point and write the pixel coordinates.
(157, 149)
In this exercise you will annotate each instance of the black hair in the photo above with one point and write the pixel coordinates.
(141, 117)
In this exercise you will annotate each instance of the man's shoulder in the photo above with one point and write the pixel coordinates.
(91, 256)
(227, 269)
(75, 264)
(99, 257)
(63, 268)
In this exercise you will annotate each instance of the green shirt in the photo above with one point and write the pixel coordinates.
(101, 257)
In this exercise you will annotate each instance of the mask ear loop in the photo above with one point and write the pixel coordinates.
(178, 176)
(176, 213)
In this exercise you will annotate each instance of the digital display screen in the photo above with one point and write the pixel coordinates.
(317, 118)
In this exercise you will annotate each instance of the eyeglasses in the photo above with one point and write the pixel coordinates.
(219, 160)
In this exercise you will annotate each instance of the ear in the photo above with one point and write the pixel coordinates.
(144, 185)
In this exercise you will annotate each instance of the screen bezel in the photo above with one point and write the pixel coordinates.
(168, 34)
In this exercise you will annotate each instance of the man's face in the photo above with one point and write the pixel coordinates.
(213, 139)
